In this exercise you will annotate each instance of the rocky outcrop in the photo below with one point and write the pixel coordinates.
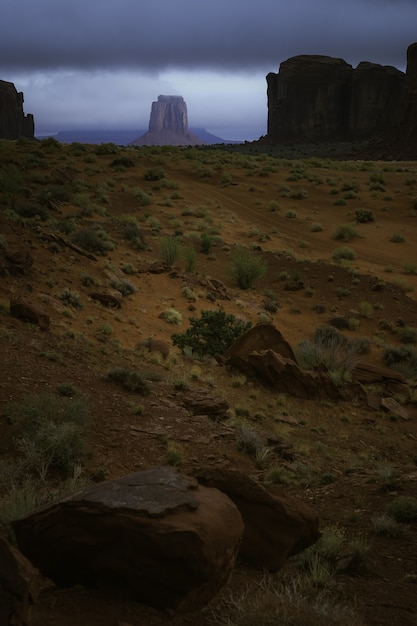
(29, 312)
(277, 525)
(404, 143)
(161, 535)
(13, 122)
(168, 124)
(321, 98)
(19, 586)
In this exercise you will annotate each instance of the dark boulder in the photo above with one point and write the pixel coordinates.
(29, 312)
(19, 586)
(277, 525)
(168, 540)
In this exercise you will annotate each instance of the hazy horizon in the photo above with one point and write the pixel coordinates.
(101, 64)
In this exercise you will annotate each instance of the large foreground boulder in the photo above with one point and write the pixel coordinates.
(18, 586)
(277, 525)
(170, 541)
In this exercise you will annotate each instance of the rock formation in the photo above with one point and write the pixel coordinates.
(19, 586)
(13, 122)
(403, 144)
(277, 525)
(320, 98)
(168, 540)
(168, 124)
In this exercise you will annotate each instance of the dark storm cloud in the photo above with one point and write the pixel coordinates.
(153, 35)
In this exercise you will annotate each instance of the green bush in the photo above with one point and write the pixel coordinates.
(71, 298)
(154, 174)
(332, 349)
(170, 249)
(211, 334)
(346, 232)
(344, 253)
(246, 268)
(363, 216)
(130, 380)
(397, 239)
(190, 259)
(403, 509)
(93, 240)
(54, 430)
(403, 359)
(206, 243)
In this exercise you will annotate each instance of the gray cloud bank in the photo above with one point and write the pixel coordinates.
(154, 35)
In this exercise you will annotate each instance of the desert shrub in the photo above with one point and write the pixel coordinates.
(403, 509)
(246, 268)
(66, 389)
(344, 253)
(248, 440)
(129, 380)
(190, 259)
(316, 228)
(172, 316)
(154, 174)
(403, 359)
(31, 210)
(291, 214)
(342, 292)
(408, 335)
(396, 238)
(170, 249)
(206, 243)
(141, 197)
(365, 309)
(125, 286)
(54, 431)
(346, 232)
(134, 234)
(122, 162)
(363, 216)
(93, 240)
(87, 280)
(106, 148)
(71, 297)
(332, 349)
(388, 527)
(212, 333)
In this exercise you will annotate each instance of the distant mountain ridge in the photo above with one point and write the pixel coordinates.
(125, 137)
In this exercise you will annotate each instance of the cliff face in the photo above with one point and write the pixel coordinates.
(320, 98)
(13, 122)
(168, 124)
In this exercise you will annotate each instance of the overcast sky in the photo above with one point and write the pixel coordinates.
(101, 63)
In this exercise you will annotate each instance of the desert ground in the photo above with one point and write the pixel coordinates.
(345, 459)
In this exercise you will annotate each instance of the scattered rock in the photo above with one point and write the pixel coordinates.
(391, 405)
(19, 586)
(19, 262)
(259, 337)
(29, 312)
(108, 300)
(154, 345)
(168, 540)
(200, 402)
(277, 526)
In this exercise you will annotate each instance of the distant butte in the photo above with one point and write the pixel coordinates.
(168, 124)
